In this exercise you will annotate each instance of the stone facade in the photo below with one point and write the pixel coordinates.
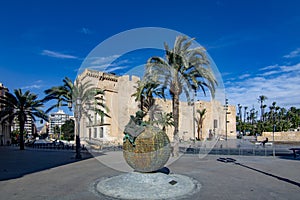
(5, 130)
(289, 136)
(118, 98)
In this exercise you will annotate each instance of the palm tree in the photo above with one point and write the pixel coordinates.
(245, 113)
(63, 94)
(69, 93)
(21, 106)
(200, 121)
(145, 92)
(139, 94)
(240, 119)
(282, 120)
(272, 109)
(240, 111)
(252, 115)
(261, 99)
(164, 120)
(185, 69)
(82, 98)
(294, 115)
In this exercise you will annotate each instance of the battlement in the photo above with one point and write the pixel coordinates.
(100, 75)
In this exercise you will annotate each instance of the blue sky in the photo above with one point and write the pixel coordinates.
(255, 44)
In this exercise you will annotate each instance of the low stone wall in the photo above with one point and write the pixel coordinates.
(289, 136)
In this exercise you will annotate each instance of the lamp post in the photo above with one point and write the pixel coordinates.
(194, 135)
(78, 117)
(274, 127)
(226, 113)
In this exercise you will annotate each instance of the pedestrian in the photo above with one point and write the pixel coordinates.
(265, 141)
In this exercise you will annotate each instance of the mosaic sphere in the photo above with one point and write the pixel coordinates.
(150, 151)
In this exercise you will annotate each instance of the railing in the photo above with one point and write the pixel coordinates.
(241, 151)
(55, 146)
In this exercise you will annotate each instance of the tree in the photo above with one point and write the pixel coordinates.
(56, 131)
(20, 106)
(81, 97)
(245, 113)
(261, 99)
(199, 121)
(272, 112)
(185, 69)
(294, 116)
(239, 119)
(164, 120)
(145, 92)
(68, 129)
(240, 112)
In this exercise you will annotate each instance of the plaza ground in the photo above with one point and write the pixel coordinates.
(55, 174)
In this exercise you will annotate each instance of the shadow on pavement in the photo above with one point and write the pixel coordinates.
(287, 156)
(16, 163)
(231, 160)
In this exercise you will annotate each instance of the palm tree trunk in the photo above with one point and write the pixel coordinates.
(176, 124)
(142, 103)
(77, 137)
(201, 132)
(198, 132)
(261, 111)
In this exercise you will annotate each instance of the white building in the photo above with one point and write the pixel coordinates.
(57, 119)
(28, 127)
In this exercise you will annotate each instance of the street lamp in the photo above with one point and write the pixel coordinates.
(194, 134)
(226, 113)
(78, 117)
(274, 127)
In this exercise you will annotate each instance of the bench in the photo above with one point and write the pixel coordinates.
(294, 151)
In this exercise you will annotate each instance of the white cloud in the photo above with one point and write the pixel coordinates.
(103, 60)
(282, 87)
(293, 54)
(55, 54)
(292, 68)
(280, 69)
(268, 67)
(35, 85)
(244, 76)
(108, 63)
(270, 73)
(107, 68)
(99, 67)
(111, 69)
(86, 31)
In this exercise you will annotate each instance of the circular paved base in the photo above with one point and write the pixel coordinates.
(136, 185)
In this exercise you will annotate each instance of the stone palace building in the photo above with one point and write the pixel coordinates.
(118, 98)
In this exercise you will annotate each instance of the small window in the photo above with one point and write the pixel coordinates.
(90, 133)
(101, 132)
(95, 132)
(215, 123)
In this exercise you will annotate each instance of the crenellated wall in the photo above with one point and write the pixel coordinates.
(121, 104)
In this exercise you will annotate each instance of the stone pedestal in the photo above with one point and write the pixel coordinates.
(137, 185)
